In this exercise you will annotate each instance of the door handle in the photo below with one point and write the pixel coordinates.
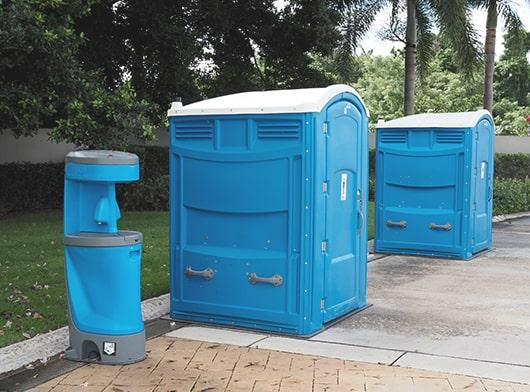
(401, 224)
(446, 227)
(361, 215)
(205, 273)
(360, 211)
(275, 280)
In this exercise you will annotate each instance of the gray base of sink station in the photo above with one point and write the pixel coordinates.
(106, 349)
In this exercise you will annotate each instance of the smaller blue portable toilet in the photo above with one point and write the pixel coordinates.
(434, 174)
(268, 196)
(102, 263)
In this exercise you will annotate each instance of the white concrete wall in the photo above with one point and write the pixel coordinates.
(39, 149)
(32, 149)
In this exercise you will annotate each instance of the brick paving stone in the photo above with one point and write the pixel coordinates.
(212, 381)
(468, 384)
(48, 385)
(178, 365)
(422, 384)
(133, 388)
(295, 383)
(184, 383)
(497, 386)
(521, 387)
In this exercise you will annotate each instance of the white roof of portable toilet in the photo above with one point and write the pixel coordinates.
(436, 120)
(275, 101)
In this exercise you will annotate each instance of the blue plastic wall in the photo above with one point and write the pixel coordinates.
(90, 196)
(440, 176)
(104, 288)
(246, 196)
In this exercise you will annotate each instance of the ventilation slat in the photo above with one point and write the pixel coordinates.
(444, 137)
(393, 137)
(278, 132)
(199, 130)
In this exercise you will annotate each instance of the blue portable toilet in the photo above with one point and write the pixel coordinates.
(434, 176)
(102, 263)
(268, 196)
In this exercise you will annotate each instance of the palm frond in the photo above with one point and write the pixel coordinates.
(454, 20)
(426, 37)
(507, 9)
(395, 29)
(358, 17)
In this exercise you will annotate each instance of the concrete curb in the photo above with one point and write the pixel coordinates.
(42, 347)
(507, 217)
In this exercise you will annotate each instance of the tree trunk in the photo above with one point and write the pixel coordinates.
(489, 54)
(410, 58)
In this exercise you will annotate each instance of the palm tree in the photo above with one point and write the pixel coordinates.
(505, 8)
(450, 16)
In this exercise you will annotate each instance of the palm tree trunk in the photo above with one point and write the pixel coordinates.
(410, 58)
(489, 54)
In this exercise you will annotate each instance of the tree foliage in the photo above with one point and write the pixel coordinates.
(44, 81)
(102, 73)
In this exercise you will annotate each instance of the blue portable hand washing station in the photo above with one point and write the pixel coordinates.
(102, 264)
(434, 188)
(268, 196)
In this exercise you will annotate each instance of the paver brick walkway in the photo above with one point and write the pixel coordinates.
(184, 365)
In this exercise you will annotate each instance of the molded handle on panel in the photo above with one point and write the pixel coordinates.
(446, 227)
(401, 224)
(360, 211)
(275, 280)
(361, 215)
(205, 273)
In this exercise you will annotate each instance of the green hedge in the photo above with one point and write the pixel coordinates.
(511, 195)
(26, 187)
(151, 193)
(512, 165)
(29, 187)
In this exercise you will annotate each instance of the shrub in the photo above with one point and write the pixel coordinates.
(371, 162)
(154, 160)
(150, 194)
(512, 165)
(511, 195)
(29, 187)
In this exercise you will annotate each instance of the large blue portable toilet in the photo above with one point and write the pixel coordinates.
(434, 176)
(268, 196)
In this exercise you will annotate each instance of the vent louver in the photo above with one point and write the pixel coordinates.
(278, 132)
(444, 137)
(196, 130)
(394, 137)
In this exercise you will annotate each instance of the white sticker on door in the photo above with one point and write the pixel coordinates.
(343, 186)
(482, 170)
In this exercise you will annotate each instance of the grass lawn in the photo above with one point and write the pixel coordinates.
(32, 287)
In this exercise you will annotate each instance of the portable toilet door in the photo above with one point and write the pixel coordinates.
(434, 176)
(268, 195)
(344, 207)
